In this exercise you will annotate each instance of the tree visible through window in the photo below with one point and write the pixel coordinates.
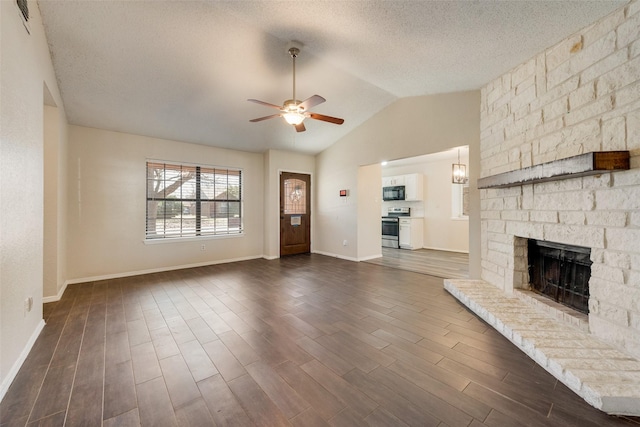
(190, 201)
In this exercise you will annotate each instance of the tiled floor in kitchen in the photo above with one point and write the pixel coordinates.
(448, 265)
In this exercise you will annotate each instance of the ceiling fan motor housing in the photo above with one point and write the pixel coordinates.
(292, 104)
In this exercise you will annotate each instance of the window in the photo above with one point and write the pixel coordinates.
(191, 201)
(459, 201)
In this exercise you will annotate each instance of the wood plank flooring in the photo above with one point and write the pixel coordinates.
(306, 340)
(448, 265)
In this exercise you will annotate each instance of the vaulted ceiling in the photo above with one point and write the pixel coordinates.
(183, 70)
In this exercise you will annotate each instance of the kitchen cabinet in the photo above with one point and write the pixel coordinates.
(389, 181)
(405, 233)
(410, 235)
(413, 185)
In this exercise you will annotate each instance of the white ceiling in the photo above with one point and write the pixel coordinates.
(183, 70)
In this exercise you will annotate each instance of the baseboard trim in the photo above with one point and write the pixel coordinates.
(367, 258)
(445, 250)
(157, 270)
(57, 297)
(347, 258)
(11, 375)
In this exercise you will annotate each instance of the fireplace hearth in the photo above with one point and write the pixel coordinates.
(560, 272)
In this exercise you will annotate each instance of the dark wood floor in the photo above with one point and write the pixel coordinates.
(305, 341)
(448, 265)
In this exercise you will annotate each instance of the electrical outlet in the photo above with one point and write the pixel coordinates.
(28, 305)
(203, 247)
(344, 242)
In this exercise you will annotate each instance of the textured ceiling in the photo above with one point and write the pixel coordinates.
(183, 70)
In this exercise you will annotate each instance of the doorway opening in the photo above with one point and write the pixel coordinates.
(436, 232)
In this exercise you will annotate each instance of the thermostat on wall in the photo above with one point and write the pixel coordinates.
(344, 193)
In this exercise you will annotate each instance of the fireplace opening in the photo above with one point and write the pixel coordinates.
(560, 272)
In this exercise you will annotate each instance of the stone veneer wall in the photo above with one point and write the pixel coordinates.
(578, 96)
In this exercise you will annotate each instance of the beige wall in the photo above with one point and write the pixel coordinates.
(369, 203)
(107, 169)
(24, 69)
(276, 161)
(55, 198)
(407, 128)
(106, 211)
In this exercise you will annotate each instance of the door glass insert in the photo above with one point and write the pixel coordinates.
(295, 200)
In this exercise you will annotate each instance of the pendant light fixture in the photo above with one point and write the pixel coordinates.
(459, 172)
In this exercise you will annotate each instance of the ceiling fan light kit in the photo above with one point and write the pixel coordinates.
(293, 111)
(293, 118)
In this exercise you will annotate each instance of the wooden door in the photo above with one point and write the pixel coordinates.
(295, 213)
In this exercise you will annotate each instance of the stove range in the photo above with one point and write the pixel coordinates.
(391, 227)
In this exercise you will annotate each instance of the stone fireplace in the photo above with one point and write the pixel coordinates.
(547, 213)
(579, 96)
(553, 228)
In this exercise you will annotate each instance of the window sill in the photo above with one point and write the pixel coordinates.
(189, 239)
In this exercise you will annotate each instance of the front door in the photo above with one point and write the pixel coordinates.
(295, 213)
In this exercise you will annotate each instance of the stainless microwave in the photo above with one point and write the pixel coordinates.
(393, 193)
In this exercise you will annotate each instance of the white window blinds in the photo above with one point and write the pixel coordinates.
(191, 201)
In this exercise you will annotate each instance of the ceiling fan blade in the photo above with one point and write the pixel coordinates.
(300, 127)
(324, 118)
(259, 119)
(311, 102)
(265, 103)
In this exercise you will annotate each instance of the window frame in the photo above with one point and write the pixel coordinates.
(197, 233)
(458, 201)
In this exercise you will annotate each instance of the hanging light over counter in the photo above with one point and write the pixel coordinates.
(458, 172)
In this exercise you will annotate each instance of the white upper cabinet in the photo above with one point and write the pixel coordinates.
(390, 181)
(413, 186)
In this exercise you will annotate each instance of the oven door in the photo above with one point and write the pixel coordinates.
(390, 232)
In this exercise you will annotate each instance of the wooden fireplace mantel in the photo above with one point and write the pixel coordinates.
(571, 167)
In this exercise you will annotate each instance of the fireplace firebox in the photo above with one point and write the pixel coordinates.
(560, 272)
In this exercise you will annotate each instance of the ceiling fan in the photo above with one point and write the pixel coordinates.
(293, 111)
